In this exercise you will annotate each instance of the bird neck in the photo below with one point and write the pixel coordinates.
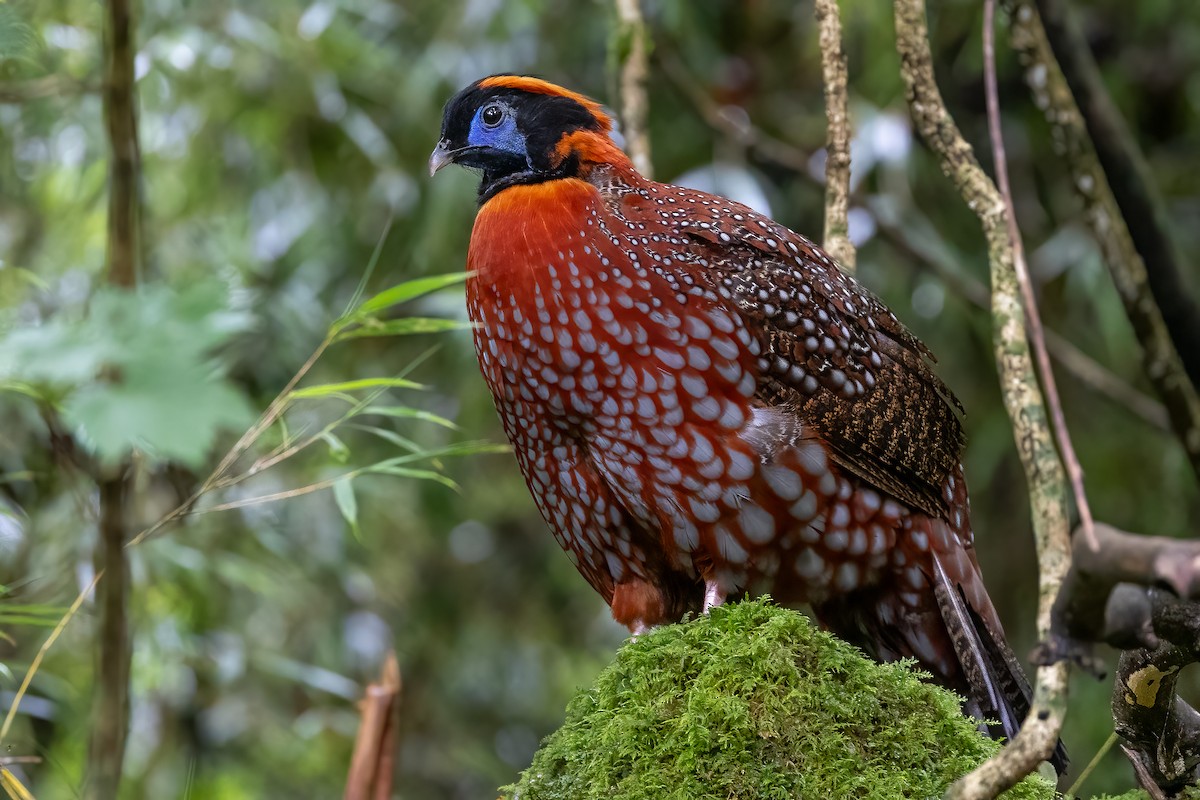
(583, 154)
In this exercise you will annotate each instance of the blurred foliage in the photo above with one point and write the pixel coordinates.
(753, 701)
(279, 142)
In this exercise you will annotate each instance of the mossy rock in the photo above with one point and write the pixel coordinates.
(753, 702)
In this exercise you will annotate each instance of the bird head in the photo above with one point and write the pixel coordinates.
(516, 129)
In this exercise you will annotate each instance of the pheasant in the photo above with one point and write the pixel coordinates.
(704, 405)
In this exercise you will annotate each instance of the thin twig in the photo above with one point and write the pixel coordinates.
(284, 495)
(837, 139)
(738, 129)
(1131, 182)
(1052, 94)
(247, 439)
(1033, 318)
(1035, 444)
(1071, 358)
(1086, 369)
(1096, 759)
(114, 640)
(41, 654)
(633, 56)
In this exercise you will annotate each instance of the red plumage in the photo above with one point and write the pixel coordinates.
(703, 404)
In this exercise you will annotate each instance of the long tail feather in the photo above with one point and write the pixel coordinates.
(993, 676)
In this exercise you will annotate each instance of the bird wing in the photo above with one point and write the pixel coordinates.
(833, 353)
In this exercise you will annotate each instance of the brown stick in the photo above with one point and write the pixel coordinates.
(1033, 318)
(837, 138)
(1026, 408)
(1161, 731)
(634, 56)
(1069, 357)
(373, 763)
(1053, 95)
(110, 701)
(1133, 188)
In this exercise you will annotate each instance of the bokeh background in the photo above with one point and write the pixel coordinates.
(279, 142)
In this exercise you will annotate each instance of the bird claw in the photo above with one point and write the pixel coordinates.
(713, 596)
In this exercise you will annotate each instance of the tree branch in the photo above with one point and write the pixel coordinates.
(1033, 318)
(373, 762)
(633, 55)
(1129, 179)
(1159, 632)
(1053, 95)
(1039, 734)
(110, 701)
(837, 140)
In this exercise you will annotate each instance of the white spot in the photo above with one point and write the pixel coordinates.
(784, 482)
(727, 545)
(707, 408)
(756, 523)
(837, 540)
(846, 577)
(809, 564)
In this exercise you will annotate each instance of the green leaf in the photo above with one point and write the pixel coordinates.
(403, 442)
(405, 412)
(409, 472)
(171, 411)
(326, 389)
(18, 39)
(406, 291)
(134, 369)
(403, 327)
(343, 493)
(337, 448)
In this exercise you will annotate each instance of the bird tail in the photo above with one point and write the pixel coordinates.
(953, 632)
(995, 683)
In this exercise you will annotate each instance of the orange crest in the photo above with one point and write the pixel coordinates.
(525, 83)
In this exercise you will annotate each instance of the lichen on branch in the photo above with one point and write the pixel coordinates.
(1022, 397)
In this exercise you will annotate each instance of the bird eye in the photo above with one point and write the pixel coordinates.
(492, 115)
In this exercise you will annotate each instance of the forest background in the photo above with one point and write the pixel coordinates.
(282, 153)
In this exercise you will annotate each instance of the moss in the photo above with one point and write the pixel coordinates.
(754, 702)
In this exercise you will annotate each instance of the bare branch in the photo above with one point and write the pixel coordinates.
(1033, 319)
(1132, 186)
(1039, 734)
(1053, 95)
(1161, 731)
(735, 126)
(372, 765)
(633, 56)
(114, 646)
(837, 140)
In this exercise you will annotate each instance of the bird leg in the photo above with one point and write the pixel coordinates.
(713, 595)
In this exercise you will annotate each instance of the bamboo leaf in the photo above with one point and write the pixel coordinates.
(327, 389)
(337, 448)
(406, 291)
(409, 472)
(405, 412)
(403, 327)
(343, 494)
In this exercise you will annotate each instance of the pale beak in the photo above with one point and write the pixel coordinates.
(441, 156)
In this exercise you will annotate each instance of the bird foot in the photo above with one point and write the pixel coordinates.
(713, 595)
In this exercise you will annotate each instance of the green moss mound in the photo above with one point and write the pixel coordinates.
(754, 702)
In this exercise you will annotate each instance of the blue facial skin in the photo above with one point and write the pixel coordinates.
(502, 137)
